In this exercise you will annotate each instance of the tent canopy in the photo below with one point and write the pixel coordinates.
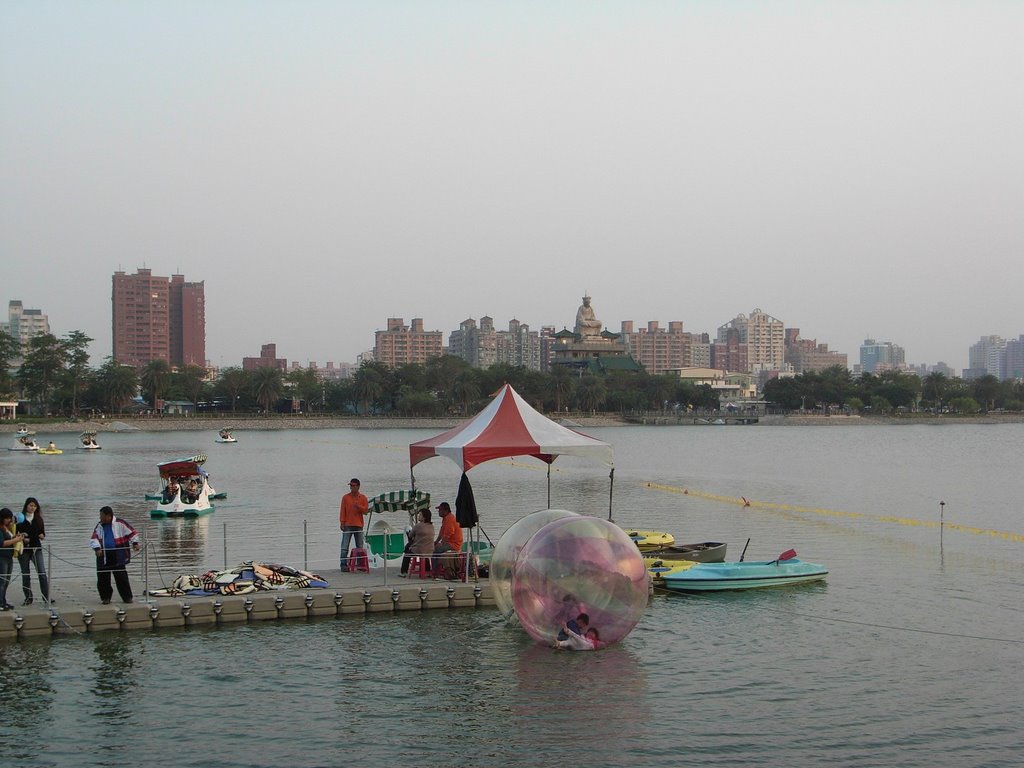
(509, 427)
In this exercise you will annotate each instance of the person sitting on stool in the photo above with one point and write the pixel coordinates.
(450, 537)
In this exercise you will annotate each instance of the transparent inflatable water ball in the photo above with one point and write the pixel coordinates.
(579, 565)
(508, 548)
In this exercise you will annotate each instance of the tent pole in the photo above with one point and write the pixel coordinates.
(549, 486)
(611, 485)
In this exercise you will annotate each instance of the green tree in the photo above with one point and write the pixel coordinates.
(156, 380)
(934, 387)
(985, 390)
(965, 405)
(307, 386)
(560, 386)
(42, 367)
(369, 384)
(590, 393)
(193, 382)
(76, 357)
(465, 390)
(117, 383)
(267, 386)
(10, 348)
(233, 382)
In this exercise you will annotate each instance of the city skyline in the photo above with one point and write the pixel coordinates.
(853, 169)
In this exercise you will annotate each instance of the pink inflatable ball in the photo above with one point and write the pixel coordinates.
(505, 552)
(579, 565)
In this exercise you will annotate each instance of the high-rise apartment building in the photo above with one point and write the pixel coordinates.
(401, 344)
(23, 323)
(759, 336)
(156, 318)
(660, 350)
(482, 346)
(878, 356)
(268, 359)
(808, 355)
(188, 322)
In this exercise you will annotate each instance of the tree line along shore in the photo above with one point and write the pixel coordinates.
(179, 423)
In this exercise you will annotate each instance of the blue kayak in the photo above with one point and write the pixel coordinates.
(712, 577)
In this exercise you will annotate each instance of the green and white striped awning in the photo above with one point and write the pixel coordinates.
(405, 501)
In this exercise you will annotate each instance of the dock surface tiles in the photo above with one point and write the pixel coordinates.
(77, 607)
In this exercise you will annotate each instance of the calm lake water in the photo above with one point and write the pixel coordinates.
(910, 654)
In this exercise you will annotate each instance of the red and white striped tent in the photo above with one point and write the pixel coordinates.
(510, 427)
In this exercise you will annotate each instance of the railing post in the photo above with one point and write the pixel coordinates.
(305, 545)
(225, 546)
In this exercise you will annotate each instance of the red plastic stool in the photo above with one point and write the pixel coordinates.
(420, 564)
(358, 560)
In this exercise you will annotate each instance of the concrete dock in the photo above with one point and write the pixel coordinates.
(77, 609)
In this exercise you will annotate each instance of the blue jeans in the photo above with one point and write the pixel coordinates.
(348, 532)
(33, 557)
(6, 566)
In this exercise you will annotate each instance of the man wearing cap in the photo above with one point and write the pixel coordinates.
(353, 506)
(450, 537)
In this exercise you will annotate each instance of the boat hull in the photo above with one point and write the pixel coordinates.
(717, 577)
(650, 541)
(705, 552)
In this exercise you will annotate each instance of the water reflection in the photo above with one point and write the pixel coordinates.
(27, 693)
(181, 543)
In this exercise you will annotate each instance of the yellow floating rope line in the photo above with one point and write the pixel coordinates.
(744, 502)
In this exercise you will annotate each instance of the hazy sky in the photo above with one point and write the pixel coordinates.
(853, 168)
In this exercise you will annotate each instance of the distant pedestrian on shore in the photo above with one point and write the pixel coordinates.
(35, 530)
(353, 506)
(113, 540)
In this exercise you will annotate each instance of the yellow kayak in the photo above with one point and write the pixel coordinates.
(49, 451)
(659, 568)
(647, 541)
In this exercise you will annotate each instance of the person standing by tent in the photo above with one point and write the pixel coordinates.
(353, 506)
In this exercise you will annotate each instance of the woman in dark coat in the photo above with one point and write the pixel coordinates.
(35, 530)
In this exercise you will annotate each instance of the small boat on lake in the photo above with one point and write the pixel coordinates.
(225, 436)
(649, 541)
(704, 552)
(186, 489)
(87, 442)
(50, 450)
(715, 577)
(659, 568)
(23, 431)
(24, 443)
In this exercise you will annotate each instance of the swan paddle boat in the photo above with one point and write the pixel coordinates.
(23, 431)
(225, 436)
(24, 443)
(186, 489)
(649, 541)
(88, 442)
(704, 552)
(715, 577)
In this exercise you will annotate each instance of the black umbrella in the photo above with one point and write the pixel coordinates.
(465, 505)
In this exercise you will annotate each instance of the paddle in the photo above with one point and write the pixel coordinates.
(744, 553)
(789, 554)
